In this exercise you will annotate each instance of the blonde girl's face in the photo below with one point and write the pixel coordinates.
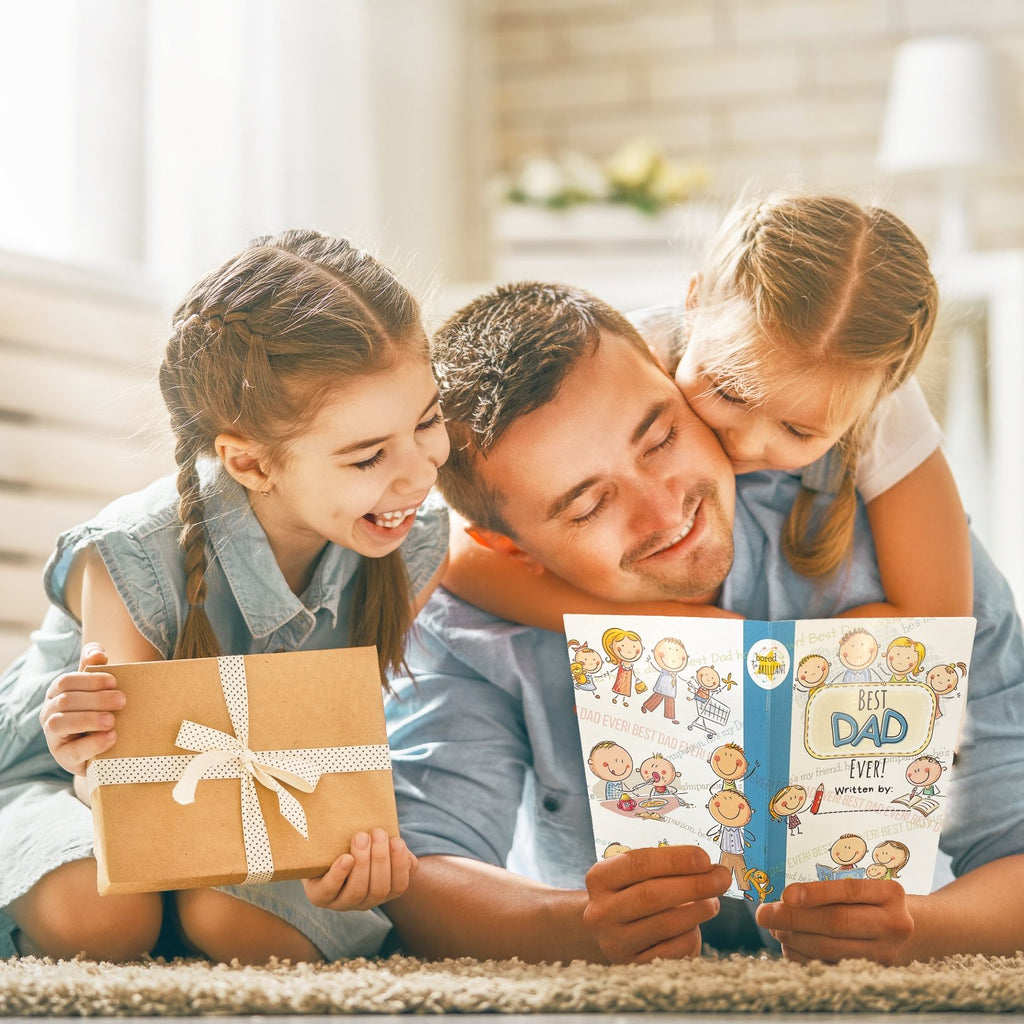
(901, 660)
(793, 426)
(627, 649)
(358, 475)
(590, 660)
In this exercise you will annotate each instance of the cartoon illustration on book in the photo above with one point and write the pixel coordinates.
(732, 813)
(710, 712)
(857, 650)
(826, 731)
(614, 850)
(887, 860)
(787, 803)
(760, 883)
(670, 659)
(730, 764)
(922, 774)
(904, 658)
(585, 665)
(846, 853)
(943, 680)
(623, 649)
(612, 764)
(812, 672)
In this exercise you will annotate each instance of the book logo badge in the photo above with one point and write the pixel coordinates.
(768, 663)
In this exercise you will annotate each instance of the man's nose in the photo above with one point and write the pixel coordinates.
(658, 505)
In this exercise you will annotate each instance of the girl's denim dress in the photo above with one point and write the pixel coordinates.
(42, 824)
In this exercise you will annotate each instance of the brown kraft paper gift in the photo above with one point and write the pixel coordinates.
(298, 702)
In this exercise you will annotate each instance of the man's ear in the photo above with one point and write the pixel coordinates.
(244, 460)
(693, 292)
(503, 545)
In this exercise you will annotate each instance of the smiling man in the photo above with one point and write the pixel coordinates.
(573, 452)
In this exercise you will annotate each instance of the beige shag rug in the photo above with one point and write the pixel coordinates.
(31, 987)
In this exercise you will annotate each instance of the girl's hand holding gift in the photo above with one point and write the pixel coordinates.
(377, 869)
(78, 712)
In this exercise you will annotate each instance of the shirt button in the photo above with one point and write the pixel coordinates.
(551, 803)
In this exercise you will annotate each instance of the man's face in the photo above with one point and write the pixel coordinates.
(615, 485)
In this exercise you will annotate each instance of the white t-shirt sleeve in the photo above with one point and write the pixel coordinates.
(904, 434)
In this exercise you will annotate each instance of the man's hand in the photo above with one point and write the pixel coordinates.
(376, 870)
(832, 921)
(650, 903)
(78, 713)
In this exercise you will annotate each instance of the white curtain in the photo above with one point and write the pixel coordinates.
(163, 134)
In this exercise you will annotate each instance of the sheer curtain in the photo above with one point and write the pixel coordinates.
(162, 134)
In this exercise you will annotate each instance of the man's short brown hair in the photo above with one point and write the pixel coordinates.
(501, 357)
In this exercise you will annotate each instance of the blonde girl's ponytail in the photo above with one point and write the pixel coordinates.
(822, 282)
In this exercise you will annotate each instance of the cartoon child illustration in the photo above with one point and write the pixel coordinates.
(660, 773)
(847, 852)
(888, 859)
(670, 657)
(729, 763)
(706, 683)
(761, 883)
(857, 650)
(787, 803)
(731, 809)
(922, 774)
(811, 673)
(614, 850)
(585, 664)
(904, 657)
(623, 649)
(613, 765)
(943, 679)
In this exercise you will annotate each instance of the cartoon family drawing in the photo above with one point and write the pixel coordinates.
(670, 659)
(710, 712)
(654, 795)
(904, 658)
(585, 665)
(787, 803)
(887, 860)
(623, 648)
(732, 813)
(730, 764)
(944, 679)
(811, 673)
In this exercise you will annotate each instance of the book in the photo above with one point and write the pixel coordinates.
(800, 750)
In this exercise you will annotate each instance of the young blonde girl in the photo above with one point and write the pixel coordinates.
(797, 346)
(308, 436)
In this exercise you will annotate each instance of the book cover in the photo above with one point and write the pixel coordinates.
(802, 750)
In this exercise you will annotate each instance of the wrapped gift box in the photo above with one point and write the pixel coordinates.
(240, 769)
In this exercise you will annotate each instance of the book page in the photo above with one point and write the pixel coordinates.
(789, 751)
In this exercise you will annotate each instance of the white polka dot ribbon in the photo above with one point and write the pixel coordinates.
(223, 756)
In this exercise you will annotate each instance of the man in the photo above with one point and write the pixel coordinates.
(573, 451)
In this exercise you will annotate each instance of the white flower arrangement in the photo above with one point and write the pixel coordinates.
(637, 174)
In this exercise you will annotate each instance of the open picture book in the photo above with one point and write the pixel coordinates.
(790, 751)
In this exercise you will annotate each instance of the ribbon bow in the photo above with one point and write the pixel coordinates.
(218, 748)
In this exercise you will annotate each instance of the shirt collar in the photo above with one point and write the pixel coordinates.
(240, 546)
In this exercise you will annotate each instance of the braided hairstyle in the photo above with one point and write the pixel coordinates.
(820, 282)
(257, 345)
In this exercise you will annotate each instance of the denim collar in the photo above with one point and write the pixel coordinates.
(241, 548)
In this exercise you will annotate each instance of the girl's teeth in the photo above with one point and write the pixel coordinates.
(392, 519)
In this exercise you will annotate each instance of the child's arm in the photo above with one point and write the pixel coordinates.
(923, 545)
(503, 585)
(78, 714)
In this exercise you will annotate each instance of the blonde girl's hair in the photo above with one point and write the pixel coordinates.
(257, 346)
(915, 645)
(613, 636)
(821, 282)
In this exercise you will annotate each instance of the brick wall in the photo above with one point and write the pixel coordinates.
(769, 91)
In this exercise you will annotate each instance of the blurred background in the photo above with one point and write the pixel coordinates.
(465, 142)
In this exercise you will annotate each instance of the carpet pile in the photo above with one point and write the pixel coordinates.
(31, 987)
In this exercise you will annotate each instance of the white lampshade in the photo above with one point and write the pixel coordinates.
(949, 107)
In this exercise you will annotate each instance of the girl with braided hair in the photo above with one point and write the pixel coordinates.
(797, 346)
(308, 436)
